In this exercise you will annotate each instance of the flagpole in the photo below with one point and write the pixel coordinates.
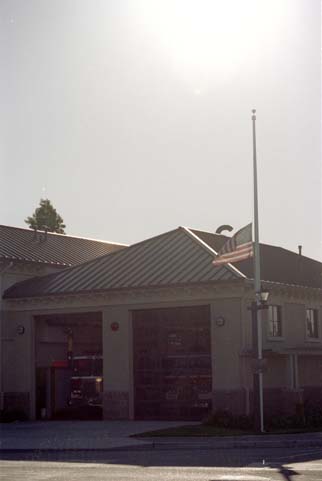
(257, 283)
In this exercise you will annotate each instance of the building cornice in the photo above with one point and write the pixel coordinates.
(236, 288)
(284, 351)
(290, 292)
(130, 296)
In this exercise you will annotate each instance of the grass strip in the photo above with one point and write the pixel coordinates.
(201, 430)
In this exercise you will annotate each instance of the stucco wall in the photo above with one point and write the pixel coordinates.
(226, 343)
(11, 273)
(228, 369)
(116, 348)
(294, 324)
(18, 357)
(310, 371)
(276, 372)
(18, 352)
(117, 361)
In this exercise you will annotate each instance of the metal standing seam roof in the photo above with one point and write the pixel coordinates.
(173, 258)
(57, 249)
(277, 264)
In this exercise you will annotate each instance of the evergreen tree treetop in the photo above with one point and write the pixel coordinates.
(47, 218)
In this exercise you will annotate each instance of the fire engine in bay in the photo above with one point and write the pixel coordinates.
(86, 381)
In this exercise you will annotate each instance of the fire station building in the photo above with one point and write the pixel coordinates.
(172, 330)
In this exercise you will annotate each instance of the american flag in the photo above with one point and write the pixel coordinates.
(236, 249)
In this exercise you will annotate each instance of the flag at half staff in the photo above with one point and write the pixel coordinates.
(236, 249)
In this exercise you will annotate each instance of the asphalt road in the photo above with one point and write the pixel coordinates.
(162, 463)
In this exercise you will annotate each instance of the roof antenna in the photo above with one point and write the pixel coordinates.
(223, 227)
(300, 250)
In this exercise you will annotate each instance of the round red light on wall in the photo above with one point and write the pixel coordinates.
(115, 326)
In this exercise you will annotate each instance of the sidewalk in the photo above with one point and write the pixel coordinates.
(105, 435)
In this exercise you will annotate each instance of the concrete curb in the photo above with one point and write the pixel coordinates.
(170, 445)
(241, 445)
(295, 440)
(75, 450)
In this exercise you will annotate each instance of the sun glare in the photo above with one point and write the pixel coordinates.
(209, 36)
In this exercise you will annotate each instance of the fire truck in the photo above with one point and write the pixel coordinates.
(86, 381)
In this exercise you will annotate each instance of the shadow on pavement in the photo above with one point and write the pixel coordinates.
(287, 473)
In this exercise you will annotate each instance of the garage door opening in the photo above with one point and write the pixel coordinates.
(69, 366)
(172, 363)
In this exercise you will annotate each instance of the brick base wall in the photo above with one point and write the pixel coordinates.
(280, 402)
(116, 405)
(312, 397)
(17, 402)
(233, 401)
(277, 401)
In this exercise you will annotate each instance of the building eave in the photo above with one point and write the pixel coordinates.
(228, 289)
(288, 290)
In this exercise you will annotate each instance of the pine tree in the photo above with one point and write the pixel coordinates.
(46, 217)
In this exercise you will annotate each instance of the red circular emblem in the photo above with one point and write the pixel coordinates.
(115, 326)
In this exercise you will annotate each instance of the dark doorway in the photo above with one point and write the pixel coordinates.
(172, 363)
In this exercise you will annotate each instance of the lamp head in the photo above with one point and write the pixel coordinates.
(263, 296)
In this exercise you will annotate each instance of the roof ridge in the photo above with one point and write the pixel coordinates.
(153, 237)
(211, 250)
(208, 232)
(63, 235)
(260, 243)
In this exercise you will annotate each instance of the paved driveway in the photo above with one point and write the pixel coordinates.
(64, 435)
(104, 435)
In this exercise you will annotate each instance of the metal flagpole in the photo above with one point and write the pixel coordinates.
(257, 284)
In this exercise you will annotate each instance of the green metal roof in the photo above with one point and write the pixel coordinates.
(18, 244)
(177, 257)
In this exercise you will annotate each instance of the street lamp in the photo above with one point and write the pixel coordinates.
(263, 297)
(256, 306)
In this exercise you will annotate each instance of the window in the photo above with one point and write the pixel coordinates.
(274, 321)
(312, 323)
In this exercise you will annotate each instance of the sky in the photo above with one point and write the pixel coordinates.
(134, 116)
